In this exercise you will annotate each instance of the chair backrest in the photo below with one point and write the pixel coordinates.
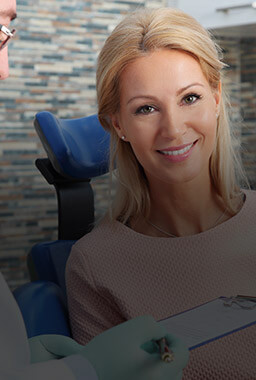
(77, 150)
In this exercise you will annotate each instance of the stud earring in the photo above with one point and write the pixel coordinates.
(123, 138)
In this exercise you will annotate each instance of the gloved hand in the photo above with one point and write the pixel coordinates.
(126, 351)
(48, 347)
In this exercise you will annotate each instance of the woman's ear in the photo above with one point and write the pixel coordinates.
(116, 124)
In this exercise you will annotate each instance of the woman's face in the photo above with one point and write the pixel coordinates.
(168, 115)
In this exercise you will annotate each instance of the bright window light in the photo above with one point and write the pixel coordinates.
(254, 4)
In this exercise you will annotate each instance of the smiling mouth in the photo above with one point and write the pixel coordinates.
(177, 152)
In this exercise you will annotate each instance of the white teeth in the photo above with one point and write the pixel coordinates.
(176, 152)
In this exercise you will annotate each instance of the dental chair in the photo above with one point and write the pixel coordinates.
(77, 151)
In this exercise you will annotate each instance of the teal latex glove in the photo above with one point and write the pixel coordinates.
(48, 347)
(126, 351)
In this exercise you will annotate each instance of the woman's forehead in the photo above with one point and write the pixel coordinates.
(160, 67)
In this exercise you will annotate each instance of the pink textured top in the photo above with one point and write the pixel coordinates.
(114, 274)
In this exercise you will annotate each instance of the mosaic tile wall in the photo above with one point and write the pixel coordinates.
(248, 106)
(232, 82)
(240, 54)
(53, 68)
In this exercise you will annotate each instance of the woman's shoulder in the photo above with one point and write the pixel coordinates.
(250, 192)
(108, 244)
(250, 195)
(248, 209)
(104, 233)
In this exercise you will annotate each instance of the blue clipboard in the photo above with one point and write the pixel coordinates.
(209, 321)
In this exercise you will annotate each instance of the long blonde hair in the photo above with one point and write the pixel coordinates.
(137, 35)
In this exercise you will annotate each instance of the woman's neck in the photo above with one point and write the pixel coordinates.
(182, 210)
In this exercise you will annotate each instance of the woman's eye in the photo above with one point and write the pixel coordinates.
(192, 98)
(145, 110)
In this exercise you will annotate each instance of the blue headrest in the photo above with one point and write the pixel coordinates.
(77, 148)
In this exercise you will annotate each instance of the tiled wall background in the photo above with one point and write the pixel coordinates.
(248, 104)
(240, 54)
(53, 68)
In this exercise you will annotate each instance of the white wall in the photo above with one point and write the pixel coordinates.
(205, 11)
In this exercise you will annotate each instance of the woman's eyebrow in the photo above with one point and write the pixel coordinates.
(188, 86)
(178, 92)
(140, 97)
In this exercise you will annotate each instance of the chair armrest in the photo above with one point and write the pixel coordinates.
(43, 308)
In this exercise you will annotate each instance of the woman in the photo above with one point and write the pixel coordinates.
(181, 231)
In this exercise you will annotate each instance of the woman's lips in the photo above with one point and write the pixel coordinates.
(179, 153)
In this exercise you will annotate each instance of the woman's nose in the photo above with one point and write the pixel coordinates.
(4, 64)
(172, 124)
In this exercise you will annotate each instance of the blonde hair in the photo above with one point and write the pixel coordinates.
(137, 35)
